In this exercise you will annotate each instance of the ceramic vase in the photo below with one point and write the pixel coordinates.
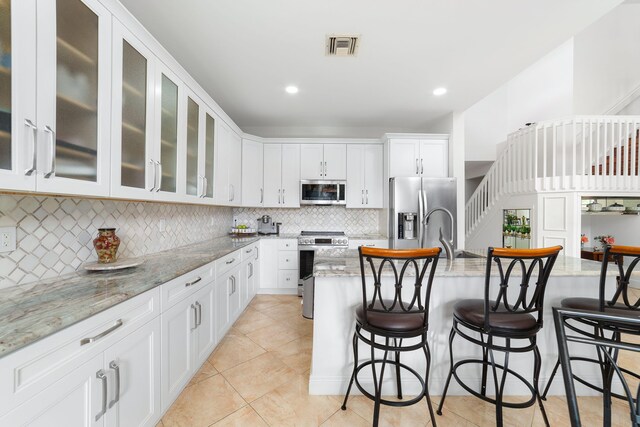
(106, 245)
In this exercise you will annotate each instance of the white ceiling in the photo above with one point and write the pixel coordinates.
(245, 52)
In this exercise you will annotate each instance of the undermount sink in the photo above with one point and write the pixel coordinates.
(465, 254)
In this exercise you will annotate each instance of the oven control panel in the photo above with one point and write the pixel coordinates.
(327, 241)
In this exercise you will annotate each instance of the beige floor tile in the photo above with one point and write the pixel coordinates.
(245, 417)
(283, 312)
(234, 350)
(203, 404)
(252, 320)
(483, 413)
(291, 405)
(258, 376)
(261, 303)
(159, 424)
(206, 370)
(346, 418)
(273, 338)
(296, 354)
(414, 415)
(590, 412)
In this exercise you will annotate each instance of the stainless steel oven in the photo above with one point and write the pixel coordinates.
(314, 192)
(308, 243)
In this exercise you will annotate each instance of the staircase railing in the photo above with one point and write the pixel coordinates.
(581, 153)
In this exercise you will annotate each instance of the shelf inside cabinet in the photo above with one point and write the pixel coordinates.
(75, 149)
(131, 166)
(74, 52)
(5, 71)
(129, 88)
(131, 128)
(75, 104)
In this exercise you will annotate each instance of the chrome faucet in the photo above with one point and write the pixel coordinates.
(448, 244)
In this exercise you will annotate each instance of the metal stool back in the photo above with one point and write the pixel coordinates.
(609, 347)
(393, 312)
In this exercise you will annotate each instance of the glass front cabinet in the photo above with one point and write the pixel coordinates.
(55, 139)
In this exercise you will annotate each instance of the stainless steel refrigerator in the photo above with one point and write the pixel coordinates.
(411, 199)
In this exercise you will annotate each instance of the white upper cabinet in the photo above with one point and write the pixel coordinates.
(209, 154)
(228, 167)
(364, 175)
(281, 175)
(418, 157)
(290, 176)
(68, 60)
(132, 146)
(252, 173)
(323, 161)
(18, 132)
(74, 101)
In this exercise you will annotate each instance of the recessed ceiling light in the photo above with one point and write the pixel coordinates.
(291, 89)
(440, 91)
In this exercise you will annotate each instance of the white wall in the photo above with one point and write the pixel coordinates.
(624, 228)
(485, 126)
(543, 91)
(607, 61)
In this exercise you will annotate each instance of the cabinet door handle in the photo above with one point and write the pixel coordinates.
(417, 167)
(159, 175)
(367, 196)
(320, 168)
(233, 192)
(362, 197)
(250, 270)
(193, 282)
(421, 166)
(101, 334)
(114, 365)
(279, 196)
(257, 252)
(34, 131)
(198, 314)
(52, 151)
(283, 196)
(102, 377)
(325, 168)
(261, 195)
(195, 316)
(231, 261)
(155, 175)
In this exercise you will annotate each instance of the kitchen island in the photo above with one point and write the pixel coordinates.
(338, 292)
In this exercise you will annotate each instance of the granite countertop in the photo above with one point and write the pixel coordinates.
(367, 237)
(34, 311)
(345, 263)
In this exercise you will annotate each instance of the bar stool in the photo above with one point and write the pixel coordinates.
(389, 316)
(628, 322)
(620, 303)
(508, 319)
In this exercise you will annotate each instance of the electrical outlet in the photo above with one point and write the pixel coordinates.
(7, 239)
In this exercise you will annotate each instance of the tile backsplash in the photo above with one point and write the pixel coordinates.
(336, 218)
(55, 234)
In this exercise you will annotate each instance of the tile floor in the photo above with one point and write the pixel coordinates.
(258, 376)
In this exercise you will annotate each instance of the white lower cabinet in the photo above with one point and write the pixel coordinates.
(188, 337)
(279, 265)
(41, 382)
(227, 299)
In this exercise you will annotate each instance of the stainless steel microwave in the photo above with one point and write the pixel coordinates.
(314, 192)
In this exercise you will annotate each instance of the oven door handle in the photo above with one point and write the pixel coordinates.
(316, 247)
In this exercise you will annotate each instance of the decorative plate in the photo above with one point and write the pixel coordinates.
(118, 265)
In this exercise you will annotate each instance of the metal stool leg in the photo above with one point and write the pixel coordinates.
(452, 334)
(378, 386)
(553, 374)
(537, 363)
(427, 355)
(355, 366)
(485, 365)
(395, 344)
(495, 382)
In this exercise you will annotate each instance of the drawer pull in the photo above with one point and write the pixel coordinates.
(114, 365)
(102, 377)
(102, 334)
(186, 285)
(231, 261)
(248, 251)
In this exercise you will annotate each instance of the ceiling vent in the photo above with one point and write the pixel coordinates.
(342, 45)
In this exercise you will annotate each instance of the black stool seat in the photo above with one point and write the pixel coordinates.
(593, 304)
(395, 320)
(471, 312)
